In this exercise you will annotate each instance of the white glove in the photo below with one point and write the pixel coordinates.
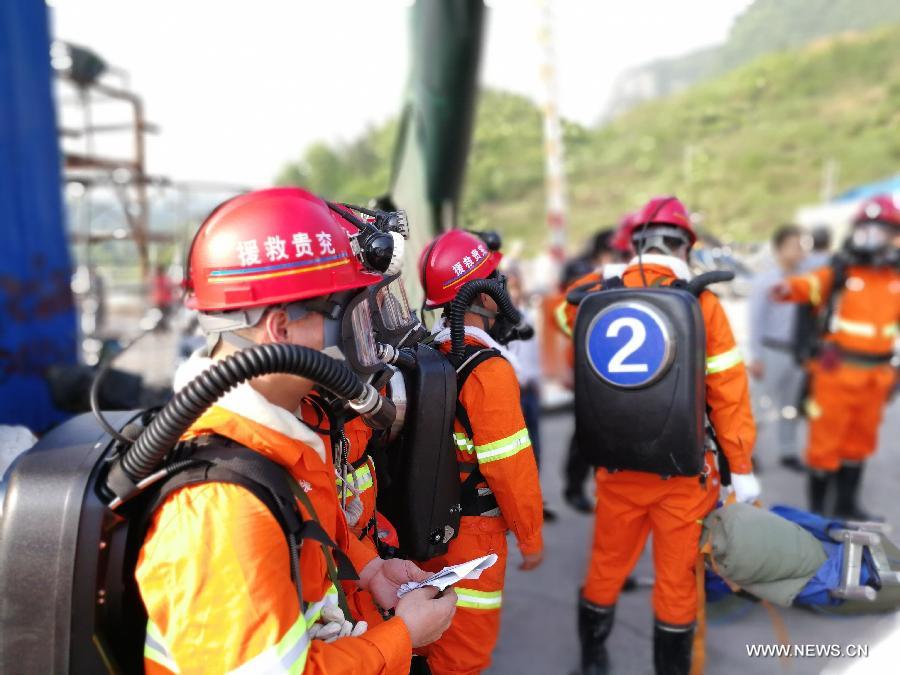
(746, 487)
(335, 626)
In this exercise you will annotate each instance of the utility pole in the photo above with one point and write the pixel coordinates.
(555, 175)
(829, 179)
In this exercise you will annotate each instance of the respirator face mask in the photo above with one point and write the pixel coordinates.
(870, 238)
(873, 243)
(395, 323)
(664, 239)
(353, 334)
(376, 319)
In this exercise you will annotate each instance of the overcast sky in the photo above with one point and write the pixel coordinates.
(239, 87)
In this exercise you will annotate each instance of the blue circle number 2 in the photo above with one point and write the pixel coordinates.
(628, 344)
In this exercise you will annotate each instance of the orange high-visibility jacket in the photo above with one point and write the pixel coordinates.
(727, 391)
(501, 447)
(867, 314)
(565, 312)
(214, 574)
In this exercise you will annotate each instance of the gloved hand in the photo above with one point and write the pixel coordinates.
(746, 487)
(332, 625)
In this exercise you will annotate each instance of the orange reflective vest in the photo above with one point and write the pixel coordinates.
(214, 574)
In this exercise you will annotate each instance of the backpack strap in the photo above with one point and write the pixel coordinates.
(839, 266)
(473, 357)
(473, 504)
(580, 292)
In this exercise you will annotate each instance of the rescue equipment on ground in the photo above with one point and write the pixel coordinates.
(81, 501)
(792, 557)
(640, 361)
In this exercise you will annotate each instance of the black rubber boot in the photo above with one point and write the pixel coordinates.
(672, 646)
(848, 480)
(817, 489)
(595, 623)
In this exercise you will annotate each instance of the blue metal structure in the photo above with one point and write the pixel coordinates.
(37, 317)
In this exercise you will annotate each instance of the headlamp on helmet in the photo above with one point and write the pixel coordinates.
(491, 239)
(380, 240)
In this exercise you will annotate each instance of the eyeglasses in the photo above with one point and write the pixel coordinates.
(329, 306)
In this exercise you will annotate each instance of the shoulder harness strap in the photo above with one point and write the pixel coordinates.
(472, 503)
(839, 266)
(217, 459)
(474, 356)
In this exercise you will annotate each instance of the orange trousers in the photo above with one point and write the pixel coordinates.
(845, 411)
(466, 647)
(631, 505)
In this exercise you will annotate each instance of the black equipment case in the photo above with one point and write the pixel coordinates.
(62, 613)
(422, 497)
(657, 427)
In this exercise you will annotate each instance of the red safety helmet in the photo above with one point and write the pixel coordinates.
(621, 238)
(879, 209)
(451, 260)
(666, 210)
(269, 247)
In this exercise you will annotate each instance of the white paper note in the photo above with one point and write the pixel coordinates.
(450, 575)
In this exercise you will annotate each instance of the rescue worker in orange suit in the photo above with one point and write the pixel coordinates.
(858, 300)
(214, 572)
(498, 448)
(609, 249)
(633, 504)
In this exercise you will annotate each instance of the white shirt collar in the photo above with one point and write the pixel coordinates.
(678, 266)
(245, 401)
(612, 270)
(441, 332)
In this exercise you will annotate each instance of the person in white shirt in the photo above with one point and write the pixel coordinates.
(777, 377)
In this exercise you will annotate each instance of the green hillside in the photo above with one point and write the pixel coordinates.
(744, 149)
(766, 26)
